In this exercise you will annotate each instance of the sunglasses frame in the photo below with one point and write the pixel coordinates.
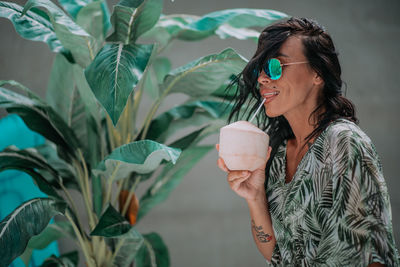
(265, 67)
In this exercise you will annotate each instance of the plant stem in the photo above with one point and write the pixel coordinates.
(88, 191)
(82, 183)
(110, 181)
(131, 193)
(71, 201)
(149, 117)
(89, 259)
(136, 102)
(120, 184)
(110, 133)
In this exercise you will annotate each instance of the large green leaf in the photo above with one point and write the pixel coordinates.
(154, 252)
(141, 156)
(22, 87)
(88, 98)
(167, 123)
(188, 140)
(162, 67)
(70, 259)
(125, 247)
(111, 224)
(81, 44)
(132, 18)
(155, 76)
(170, 178)
(32, 164)
(60, 87)
(114, 74)
(73, 7)
(48, 151)
(224, 23)
(31, 26)
(40, 118)
(90, 18)
(205, 75)
(64, 96)
(51, 233)
(24, 222)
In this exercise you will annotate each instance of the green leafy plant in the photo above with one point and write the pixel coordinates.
(103, 66)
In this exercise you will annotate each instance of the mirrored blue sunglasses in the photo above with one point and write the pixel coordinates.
(273, 67)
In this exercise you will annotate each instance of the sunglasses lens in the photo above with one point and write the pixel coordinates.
(274, 69)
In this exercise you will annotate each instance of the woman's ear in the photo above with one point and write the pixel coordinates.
(318, 79)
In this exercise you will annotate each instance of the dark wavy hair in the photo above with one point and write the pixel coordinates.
(323, 59)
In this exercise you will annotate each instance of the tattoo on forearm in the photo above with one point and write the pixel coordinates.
(261, 236)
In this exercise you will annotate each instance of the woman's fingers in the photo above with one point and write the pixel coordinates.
(237, 182)
(221, 165)
(234, 175)
(217, 146)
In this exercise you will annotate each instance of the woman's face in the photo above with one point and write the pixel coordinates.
(296, 92)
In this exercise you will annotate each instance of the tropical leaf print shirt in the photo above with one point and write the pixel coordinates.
(336, 209)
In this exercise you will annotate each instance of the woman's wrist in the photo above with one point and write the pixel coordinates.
(260, 199)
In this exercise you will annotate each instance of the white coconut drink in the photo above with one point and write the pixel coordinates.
(243, 146)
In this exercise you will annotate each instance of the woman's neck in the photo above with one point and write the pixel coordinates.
(302, 126)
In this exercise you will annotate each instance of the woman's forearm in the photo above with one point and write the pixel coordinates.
(261, 227)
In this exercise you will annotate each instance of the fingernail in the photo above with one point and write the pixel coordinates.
(244, 172)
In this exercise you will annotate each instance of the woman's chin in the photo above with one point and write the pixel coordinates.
(271, 114)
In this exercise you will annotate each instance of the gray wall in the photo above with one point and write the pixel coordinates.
(203, 222)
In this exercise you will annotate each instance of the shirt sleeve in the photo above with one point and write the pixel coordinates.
(355, 210)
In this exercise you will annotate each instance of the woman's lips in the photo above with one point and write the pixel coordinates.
(270, 96)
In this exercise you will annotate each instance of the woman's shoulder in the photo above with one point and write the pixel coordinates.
(344, 129)
(344, 136)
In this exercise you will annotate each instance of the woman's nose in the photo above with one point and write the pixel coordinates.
(263, 78)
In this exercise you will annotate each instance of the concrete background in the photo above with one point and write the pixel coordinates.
(203, 222)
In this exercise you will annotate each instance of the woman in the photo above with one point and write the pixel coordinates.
(321, 199)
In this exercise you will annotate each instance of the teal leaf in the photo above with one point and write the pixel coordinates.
(81, 44)
(162, 67)
(61, 92)
(73, 6)
(40, 118)
(224, 23)
(111, 224)
(30, 163)
(141, 156)
(22, 87)
(51, 233)
(150, 84)
(125, 247)
(26, 221)
(132, 18)
(70, 259)
(154, 252)
(115, 72)
(48, 151)
(32, 26)
(187, 140)
(88, 98)
(177, 118)
(90, 18)
(170, 178)
(205, 75)
(224, 92)
(63, 95)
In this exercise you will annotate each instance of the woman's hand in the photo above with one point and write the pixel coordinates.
(249, 185)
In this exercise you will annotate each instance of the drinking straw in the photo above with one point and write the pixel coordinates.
(258, 109)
